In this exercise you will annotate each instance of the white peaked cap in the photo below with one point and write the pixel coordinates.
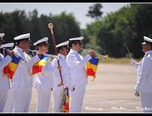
(45, 39)
(76, 38)
(23, 36)
(147, 39)
(7, 45)
(62, 44)
(2, 34)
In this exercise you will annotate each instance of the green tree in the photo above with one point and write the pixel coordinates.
(142, 26)
(65, 27)
(34, 29)
(13, 24)
(95, 11)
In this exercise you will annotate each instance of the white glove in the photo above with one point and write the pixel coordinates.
(134, 63)
(136, 93)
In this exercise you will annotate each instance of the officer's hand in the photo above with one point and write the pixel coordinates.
(92, 53)
(39, 53)
(136, 93)
(134, 63)
(10, 53)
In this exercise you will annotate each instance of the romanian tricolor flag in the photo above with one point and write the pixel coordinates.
(65, 101)
(10, 69)
(91, 67)
(38, 66)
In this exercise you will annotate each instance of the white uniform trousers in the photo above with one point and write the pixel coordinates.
(3, 97)
(22, 99)
(10, 101)
(77, 98)
(57, 96)
(146, 101)
(44, 96)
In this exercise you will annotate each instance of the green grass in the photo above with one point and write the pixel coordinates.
(117, 60)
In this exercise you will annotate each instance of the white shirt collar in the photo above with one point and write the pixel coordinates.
(17, 48)
(148, 52)
(74, 51)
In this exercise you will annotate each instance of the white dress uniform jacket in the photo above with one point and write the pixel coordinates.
(77, 67)
(21, 83)
(144, 82)
(4, 81)
(58, 90)
(78, 79)
(43, 82)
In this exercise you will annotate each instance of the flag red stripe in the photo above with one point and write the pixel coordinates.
(8, 72)
(36, 69)
(90, 72)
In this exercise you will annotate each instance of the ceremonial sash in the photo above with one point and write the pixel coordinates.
(10, 69)
(38, 66)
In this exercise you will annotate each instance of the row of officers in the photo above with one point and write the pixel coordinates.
(16, 93)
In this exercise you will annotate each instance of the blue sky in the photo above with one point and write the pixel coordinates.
(79, 10)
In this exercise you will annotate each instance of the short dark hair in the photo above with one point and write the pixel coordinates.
(19, 41)
(60, 48)
(41, 44)
(147, 42)
(74, 42)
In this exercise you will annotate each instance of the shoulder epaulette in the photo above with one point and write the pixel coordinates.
(145, 55)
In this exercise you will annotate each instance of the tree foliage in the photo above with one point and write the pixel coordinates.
(18, 22)
(107, 35)
(126, 26)
(95, 11)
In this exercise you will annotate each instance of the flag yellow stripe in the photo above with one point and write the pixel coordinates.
(12, 66)
(92, 66)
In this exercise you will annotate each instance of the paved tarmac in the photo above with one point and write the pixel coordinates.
(111, 92)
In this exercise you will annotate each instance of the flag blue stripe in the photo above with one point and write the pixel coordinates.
(44, 57)
(94, 61)
(15, 59)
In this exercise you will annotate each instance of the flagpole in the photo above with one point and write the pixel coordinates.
(128, 50)
(50, 25)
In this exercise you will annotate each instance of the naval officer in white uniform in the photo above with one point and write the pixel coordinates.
(4, 80)
(78, 73)
(21, 84)
(43, 82)
(143, 87)
(64, 78)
